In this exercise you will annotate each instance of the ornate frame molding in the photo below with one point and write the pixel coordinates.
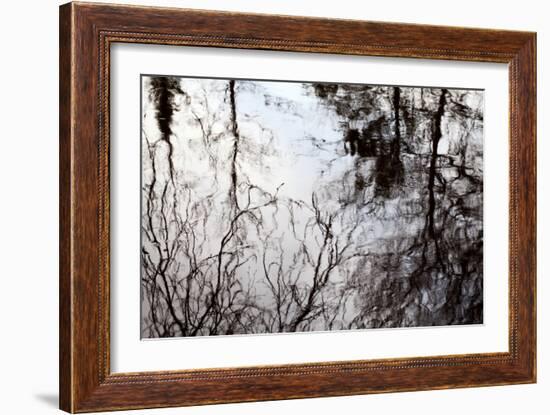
(86, 34)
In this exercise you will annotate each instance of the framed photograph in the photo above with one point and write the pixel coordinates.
(258, 207)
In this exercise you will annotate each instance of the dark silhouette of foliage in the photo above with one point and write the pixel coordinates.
(389, 235)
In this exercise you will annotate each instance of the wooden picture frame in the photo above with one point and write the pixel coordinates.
(86, 33)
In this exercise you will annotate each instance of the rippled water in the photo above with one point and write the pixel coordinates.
(281, 206)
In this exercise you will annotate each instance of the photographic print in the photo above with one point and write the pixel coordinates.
(283, 206)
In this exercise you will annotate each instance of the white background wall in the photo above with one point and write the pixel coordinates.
(29, 207)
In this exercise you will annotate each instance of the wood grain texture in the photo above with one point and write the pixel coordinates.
(65, 138)
(86, 33)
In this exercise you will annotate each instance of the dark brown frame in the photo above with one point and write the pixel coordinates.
(86, 33)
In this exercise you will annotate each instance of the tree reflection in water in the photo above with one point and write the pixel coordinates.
(279, 207)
